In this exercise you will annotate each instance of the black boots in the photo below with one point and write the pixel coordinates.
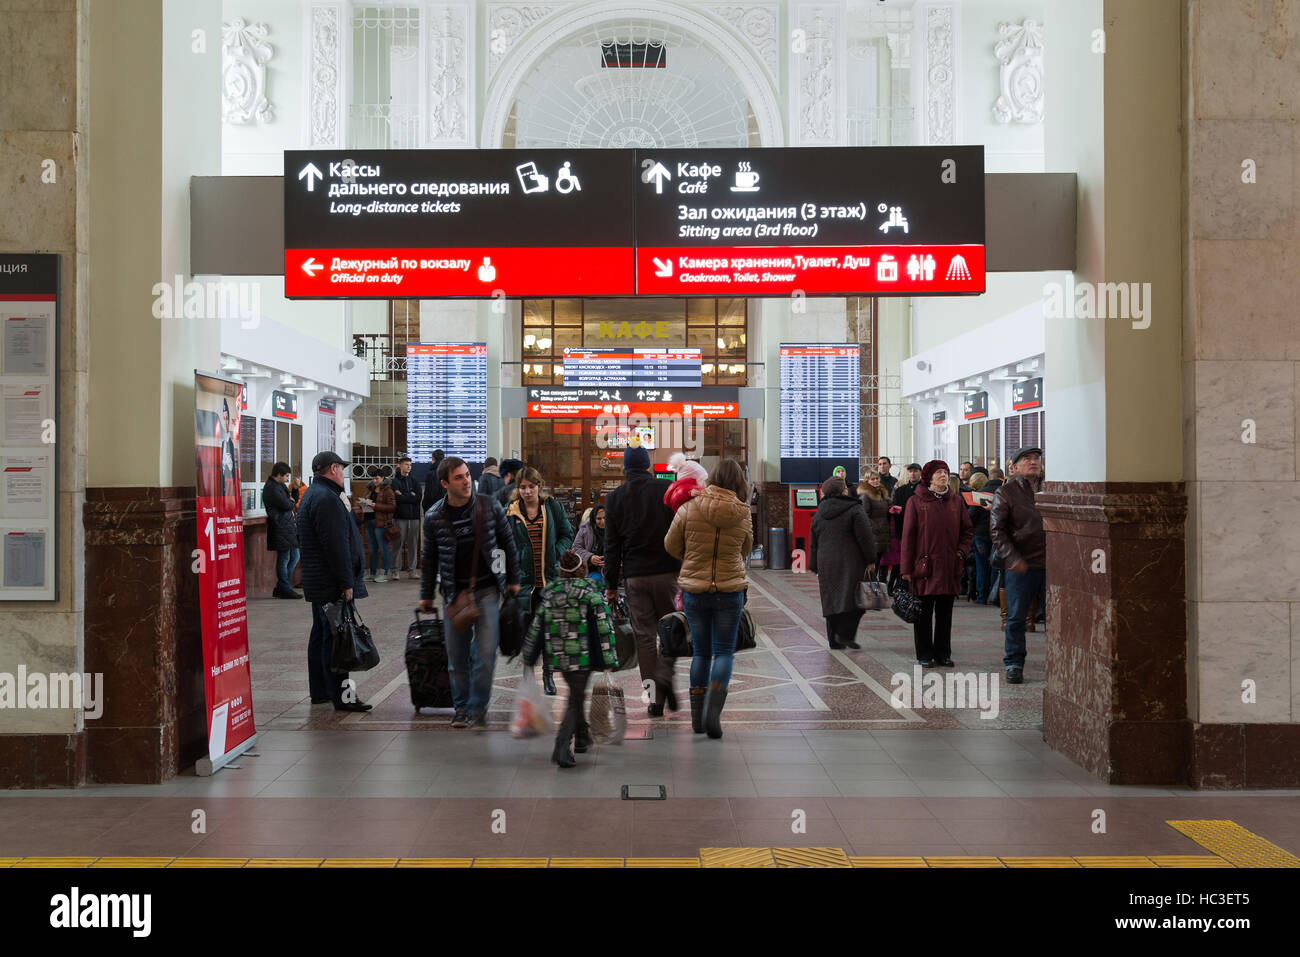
(548, 680)
(563, 753)
(713, 704)
(697, 710)
(582, 738)
(663, 696)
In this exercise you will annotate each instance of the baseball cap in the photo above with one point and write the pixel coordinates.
(324, 460)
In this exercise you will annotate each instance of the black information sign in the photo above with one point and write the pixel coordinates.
(482, 223)
(939, 418)
(284, 405)
(820, 402)
(446, 401)
(1027, 394)
(976, 406)
(447, 223)
(604, 367)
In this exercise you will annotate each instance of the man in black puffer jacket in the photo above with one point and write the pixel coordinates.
(281, 529)
(636, 523)
(331, 565)
(450, 529)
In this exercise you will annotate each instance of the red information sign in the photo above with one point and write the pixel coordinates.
(813, 270)
(477, 272)
(227, 677)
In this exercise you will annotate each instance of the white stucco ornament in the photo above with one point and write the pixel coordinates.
(244, 56)
(1020, 55)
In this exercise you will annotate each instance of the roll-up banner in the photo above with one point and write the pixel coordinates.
(227, 676)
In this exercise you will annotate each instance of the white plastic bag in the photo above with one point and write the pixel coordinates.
(532, 713)
(608, 720)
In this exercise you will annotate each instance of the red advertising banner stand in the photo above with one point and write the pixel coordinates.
(227, 675)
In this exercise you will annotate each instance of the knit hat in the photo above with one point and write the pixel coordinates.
(931, 467)
(572, 565)
(687, 468)
(636, 458)
(509, 467)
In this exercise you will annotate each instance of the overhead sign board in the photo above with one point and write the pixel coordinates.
(456, 223)
(824, 221)
(1027, 394)
(284, 405)
(604, 367)
(976, 406)
(718, 402)
(550, 223)
(820, 427)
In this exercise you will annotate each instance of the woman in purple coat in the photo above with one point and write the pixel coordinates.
(937, 537)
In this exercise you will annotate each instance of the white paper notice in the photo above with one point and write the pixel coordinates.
(24, 559)
(26, 407)
(217, 736)
(25, 479)
(26, 345)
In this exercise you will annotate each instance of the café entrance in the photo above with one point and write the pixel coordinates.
(581, 460)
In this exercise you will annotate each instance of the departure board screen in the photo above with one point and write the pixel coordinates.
(820, 394)
(614, 367)
(446, 400)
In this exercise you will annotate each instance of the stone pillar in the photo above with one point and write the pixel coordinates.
(43, 193)
(1114, 506)
(1116, 698)
(1241, 353)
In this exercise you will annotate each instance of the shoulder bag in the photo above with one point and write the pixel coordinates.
(463, 610)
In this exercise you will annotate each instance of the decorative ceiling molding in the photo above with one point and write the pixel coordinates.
(1020, 58)
(507, 22)
(940, 76)
(325, 99)
(245, 53)
(756, 24)
(817, 70)
(532, 45)
(450, 29)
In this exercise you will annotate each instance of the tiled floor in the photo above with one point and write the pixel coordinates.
(813, 755)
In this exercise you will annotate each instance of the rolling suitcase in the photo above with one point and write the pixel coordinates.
(426, 663)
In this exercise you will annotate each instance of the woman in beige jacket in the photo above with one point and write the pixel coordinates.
(712, 535)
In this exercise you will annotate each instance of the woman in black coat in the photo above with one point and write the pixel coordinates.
(281, 529)
(841, 535)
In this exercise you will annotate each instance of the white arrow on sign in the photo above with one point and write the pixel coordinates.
(663, 267)
(641, 394)
(310, 265)
(658, 173)
(312, 174)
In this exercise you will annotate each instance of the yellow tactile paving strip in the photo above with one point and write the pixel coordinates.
(1236, 845)
(1230, 843)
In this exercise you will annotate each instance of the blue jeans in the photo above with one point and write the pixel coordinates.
(1021, 588)
(378, 545)
(286, 560)
(472, 655)
(980, 549)
(714, 620)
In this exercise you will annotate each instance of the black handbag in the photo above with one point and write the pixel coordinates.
(906, 605)
(512, 628)
(745, 633)
(353, 648)
(674, 635)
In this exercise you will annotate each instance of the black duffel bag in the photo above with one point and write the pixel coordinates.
(624, 636)
(674, 635)
(353, 648)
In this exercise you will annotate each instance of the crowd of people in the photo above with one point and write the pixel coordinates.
(502, 545)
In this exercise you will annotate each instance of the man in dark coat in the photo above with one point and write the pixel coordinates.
(281, 529)
(842, 536)
(903, 491)
(1016, 528)
(509, 469)
(433, 492)
(883, 465)
(636, 523)
(407, 518)
(331, 564)
(490, 483)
